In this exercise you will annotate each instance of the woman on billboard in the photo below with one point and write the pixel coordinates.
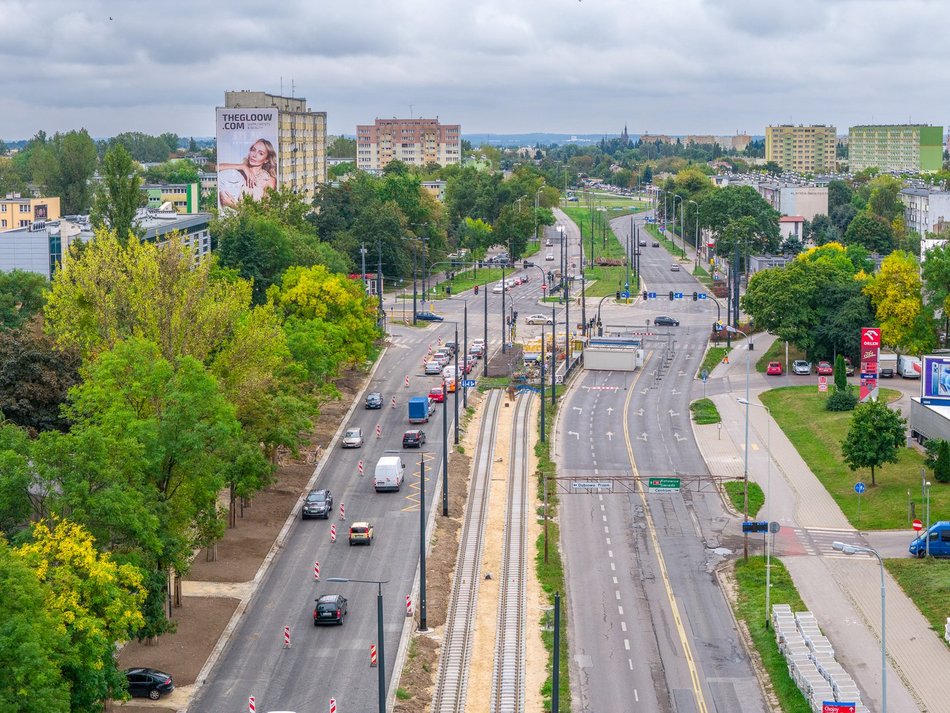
(256, 174)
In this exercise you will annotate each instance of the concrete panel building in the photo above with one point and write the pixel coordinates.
(925, 209)
(797, 199)
(182, 197)
(416, 142)
(905, 148)
(17, 211)
(802, 149)
(302, 138)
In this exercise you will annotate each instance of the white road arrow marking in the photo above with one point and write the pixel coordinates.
(673, 413)
(642, 436)
(678, 437)
(639, 412)
(575, 434)
(610, 436)
(609, 410)
(578, 409)
(674, 392)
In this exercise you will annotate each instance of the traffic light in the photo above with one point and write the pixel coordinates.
(671, 295)
(448, 291)
(695, 296)
(476, 289)
(645, 294)
(618, 294)
(514, 315)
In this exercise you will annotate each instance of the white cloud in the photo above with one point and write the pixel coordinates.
(710, 66)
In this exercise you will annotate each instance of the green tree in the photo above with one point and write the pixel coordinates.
(21, 297)
(35, 376)
(174, 171)
(95, 603)
(884, 200)
(64, 166)
(727, 205)
(895, 292)
(32, 642)
(256, 246)
(18, 477)
(941, 466)
(840, 375)
(875, 437)
(839, 193)
(871, 231)
(936, 281)
(342, 147)
(10, 179)
(119, 195)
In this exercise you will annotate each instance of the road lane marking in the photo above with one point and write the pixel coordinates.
(664, 575)
(615, 581)
(605, 517)
(620, 609)
(608, 540)
(626, 644)
(613, 567)
(617, 595)
(610, 553)
(623, 626)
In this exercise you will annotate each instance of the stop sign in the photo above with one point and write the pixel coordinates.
(918, 526)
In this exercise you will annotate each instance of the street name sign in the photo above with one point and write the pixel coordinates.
(663, 485)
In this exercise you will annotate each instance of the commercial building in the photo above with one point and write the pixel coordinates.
(416, 142)
(802, 149)
(19, 212)
(183, 198)
(40, 247)
(267, 141)
(903, 148)
(798, 199)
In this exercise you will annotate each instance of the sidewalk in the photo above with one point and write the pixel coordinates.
(850, 611)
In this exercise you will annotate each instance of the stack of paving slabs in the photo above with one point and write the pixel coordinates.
(811, 660)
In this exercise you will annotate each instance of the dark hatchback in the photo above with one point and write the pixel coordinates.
(330, 609)
(319, 503)
(664, 321)
(148, 682)
(413, 439)
(374, 400)
(429, 317)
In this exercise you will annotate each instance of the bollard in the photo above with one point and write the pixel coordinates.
(251, 707)
(360, 467)
(407, 381)
(316, 571)
(286, 637)
(332, 533)
(333, 705)
(372, 655)
(379, 431)
(342, 512)
(408, 605)
(394, 402)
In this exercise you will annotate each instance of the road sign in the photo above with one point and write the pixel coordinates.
(651, 295)
(838, 707)
(822, 387)
(591, 485)
(918, 525)
(701, 296)
(677, 295)
(822, 383)
(704, 375)
(774, 527)
(625, 295)
(663, 485)
(468, 383)
(859, 488)
(754, 526)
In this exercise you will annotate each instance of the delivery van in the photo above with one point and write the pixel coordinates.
(389, 473)
(908, 366)
(938, 536)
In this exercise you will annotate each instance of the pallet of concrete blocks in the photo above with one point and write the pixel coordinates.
(946, 630)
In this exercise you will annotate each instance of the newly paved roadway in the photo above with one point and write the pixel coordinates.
(650, 627)
(333, 662)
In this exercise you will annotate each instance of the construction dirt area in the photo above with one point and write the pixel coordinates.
(218, 581)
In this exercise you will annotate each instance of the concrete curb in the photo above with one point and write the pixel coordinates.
(225, 636)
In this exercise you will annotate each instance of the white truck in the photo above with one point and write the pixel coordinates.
(389, 473)
(928, 422)
(908, 366)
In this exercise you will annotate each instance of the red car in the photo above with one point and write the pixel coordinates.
(825, 368)
(436, 394)
(774, 368)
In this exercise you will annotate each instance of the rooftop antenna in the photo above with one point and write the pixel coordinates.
(293, 88)
(282, 85)
(411, 115)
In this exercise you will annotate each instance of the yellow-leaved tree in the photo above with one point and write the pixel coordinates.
(895, 291)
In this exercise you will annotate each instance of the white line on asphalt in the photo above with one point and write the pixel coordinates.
(623, 626)
(606, 530)
(600, 497)
(620, 609)
(615, 581)
(613, 567)
(608, 540)
(610, 553)
(626, 644)
(636, 696)
(605, 517)
(617, 595)
(602, 508)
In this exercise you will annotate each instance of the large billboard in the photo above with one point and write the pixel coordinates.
(935, 380)
(247, 153)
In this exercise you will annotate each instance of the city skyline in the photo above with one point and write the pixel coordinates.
(589, 67)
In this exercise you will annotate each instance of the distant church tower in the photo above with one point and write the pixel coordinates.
(624, 137)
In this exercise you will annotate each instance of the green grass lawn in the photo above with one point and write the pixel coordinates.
(735, 489)
(467, 280)
(714, 356)
(609, 278)
(704, 412)
(776, 352)
(817, 435)
(927, 583)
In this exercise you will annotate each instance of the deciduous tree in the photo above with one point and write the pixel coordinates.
(875, 437)
(21, 297)
(895, 293)
(118, 197)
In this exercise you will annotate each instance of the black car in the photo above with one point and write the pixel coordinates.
(664, 321)
(319, 503)
(330, 609)
(656, 243)
(643, 243)
(414, 438)
(429, 317)
(374, 400)
(148, 682)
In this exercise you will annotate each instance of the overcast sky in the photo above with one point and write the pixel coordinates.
(500, 66)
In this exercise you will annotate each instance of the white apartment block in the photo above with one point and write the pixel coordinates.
(416, 142)
(924, 208)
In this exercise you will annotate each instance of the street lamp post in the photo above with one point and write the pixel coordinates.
(856, 549)
(541, 360)
(675, 196)
(537, 199)
(445, 450)
(745, 468)
(423, 621)
(696, 239)
(768, 507)
(381, 669)
(927, 510)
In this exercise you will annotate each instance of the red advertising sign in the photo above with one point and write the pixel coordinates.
(870, 351)
(838, 707)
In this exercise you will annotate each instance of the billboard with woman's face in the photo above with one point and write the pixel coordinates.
(247, 153)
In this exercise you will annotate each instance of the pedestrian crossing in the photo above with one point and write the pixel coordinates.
(792, 541)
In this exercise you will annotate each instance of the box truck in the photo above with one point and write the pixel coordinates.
(389, 473)
(420, 408)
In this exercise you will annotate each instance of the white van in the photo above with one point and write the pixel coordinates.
(908, 366)
(389, 473)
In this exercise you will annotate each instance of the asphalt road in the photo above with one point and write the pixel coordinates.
(630, 645)
(325, 662)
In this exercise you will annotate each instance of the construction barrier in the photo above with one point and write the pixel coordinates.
(394, 402)
(286, 637)
(407, 381)
(251, 707)
(429, 350)
(372, 655)
(379, 430)
(333, 705)
(342, 512)
(408, 605)
(332, 533)
(360, 466)
(316, 571)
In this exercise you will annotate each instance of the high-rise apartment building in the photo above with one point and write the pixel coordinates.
(910, 148)
(413, 141)
(265, 141)
(802, 149)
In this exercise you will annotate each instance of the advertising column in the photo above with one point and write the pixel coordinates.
(870, 349)
(247, 153)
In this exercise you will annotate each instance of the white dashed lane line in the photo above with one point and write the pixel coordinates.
(623, 626)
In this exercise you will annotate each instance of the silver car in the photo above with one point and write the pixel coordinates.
(800, 366)
(353, 438)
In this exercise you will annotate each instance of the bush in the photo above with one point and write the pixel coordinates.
(842, 400)
(841, 376)
(942, 463)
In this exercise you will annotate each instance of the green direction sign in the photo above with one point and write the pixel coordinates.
(663, 485)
